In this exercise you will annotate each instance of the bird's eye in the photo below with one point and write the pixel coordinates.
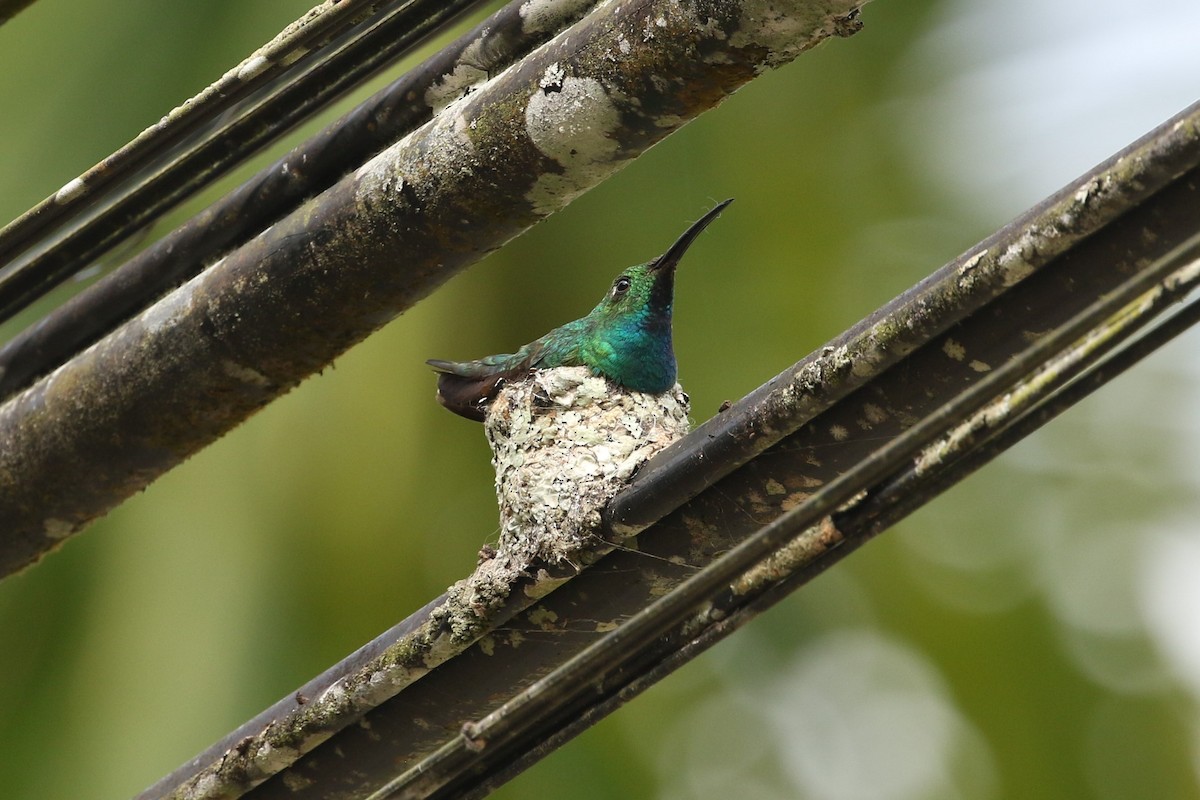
(621, 285)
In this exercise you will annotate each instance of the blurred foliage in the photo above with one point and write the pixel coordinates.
(1012, 640)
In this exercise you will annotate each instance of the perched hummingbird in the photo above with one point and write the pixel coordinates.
(626, 338)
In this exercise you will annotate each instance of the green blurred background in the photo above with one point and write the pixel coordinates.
(1035, 633)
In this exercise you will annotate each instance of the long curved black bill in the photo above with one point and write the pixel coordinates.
(669, 259)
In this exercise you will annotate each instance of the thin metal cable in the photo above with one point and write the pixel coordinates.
(246, 109)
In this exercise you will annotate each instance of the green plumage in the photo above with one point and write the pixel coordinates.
(626, 338)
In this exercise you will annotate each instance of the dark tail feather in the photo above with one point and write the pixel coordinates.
(468, 397)
(468, 387)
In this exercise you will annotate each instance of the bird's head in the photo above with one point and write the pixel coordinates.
(649, 289)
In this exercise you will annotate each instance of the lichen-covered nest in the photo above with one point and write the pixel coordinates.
(563, 443)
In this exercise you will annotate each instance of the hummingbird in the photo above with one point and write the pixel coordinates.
(625, 338)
